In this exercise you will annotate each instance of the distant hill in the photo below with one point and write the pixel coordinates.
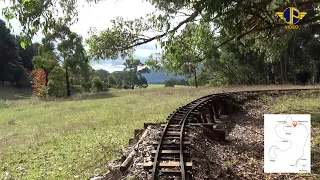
(159, 77)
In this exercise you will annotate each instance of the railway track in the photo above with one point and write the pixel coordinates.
(170, 159)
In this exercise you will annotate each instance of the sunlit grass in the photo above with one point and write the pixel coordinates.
(71, 138)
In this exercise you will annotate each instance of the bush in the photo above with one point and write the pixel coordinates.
(168, 84)
(217, 81)
(97, 84)
(144, 86)
(77, 89)
(57, 82)
(39, 86)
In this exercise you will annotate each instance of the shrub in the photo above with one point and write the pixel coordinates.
(77, 89)
(39, 86)
(218, 80)
(97, 84)
(57, 82)
(144, 85)
(168, 84)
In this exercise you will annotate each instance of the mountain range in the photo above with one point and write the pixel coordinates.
(159, 77)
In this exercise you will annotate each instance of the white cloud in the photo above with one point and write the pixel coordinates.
(146, 50)
(99, 15)
(108, 67)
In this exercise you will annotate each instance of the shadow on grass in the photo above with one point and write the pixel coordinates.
(9, 92)
(84, 96)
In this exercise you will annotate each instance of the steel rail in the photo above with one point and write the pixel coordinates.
(190, 107)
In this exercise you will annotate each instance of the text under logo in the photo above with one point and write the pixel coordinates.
(291, 16)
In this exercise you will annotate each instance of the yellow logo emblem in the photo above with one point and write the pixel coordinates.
(291, 16)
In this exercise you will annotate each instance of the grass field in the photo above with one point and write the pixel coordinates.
(66, 139)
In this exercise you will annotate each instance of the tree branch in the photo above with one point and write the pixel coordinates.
(190, 18)
(301, 4)
(273, 26)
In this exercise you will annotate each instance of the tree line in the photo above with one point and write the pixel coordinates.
(59, 65)
(218, 42)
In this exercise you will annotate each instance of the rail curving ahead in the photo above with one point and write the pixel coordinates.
(170, 158)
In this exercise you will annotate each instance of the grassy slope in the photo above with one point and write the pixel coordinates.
(63, 139)
(66, 139)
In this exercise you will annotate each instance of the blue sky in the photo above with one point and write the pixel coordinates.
(99, 16)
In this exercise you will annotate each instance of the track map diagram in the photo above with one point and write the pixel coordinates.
(287, 143)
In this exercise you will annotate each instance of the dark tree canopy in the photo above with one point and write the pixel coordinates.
(237, 18)
(11, 66)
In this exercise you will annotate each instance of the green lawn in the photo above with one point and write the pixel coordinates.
(67, 139)
(71, 138)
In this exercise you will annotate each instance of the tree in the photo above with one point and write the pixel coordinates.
(234, 21)
(240, 18)
(97, 84)
(103, 74)
(27, 54)
(132, 65)
(142, 82)
(111, 81)
(11, 67)
(239, 64)
(168, 83)
(73, 53)
(183, 54)
(57, 83)
(39, 86)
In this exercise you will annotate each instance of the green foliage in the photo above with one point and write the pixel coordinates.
(121, 36)
(183, 54)
(131, 69)
(182, 82)
(257, 48)
(111, 81)
(41, 16)
(27, 54)
(103, 74)
(168, 84)
(217, 80)
(142, 82)
(11, 66)
(57, 82)
(77, 89)
(45, 60)
(97, 84)
(74, 56)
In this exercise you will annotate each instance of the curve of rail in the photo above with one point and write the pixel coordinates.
(169, 157)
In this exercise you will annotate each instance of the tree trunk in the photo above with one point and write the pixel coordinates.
(271, 78)
(67, 83)
(317, 79)
(286, 68)
(195, 79)
(281, 69)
